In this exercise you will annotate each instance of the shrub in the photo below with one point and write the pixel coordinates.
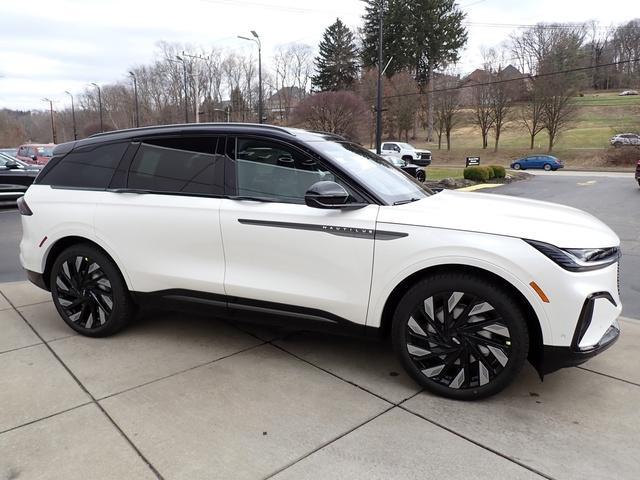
(498, 171)
(490, 172)
(477, 174)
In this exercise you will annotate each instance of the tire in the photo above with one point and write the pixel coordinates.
(547, 167)
(517, 166)
(89, 292)
(421, 176)
(418, 330)
(617, 144)
(408, 158)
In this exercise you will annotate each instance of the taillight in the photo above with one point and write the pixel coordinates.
(23, 208)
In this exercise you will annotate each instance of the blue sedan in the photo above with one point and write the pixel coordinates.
(547, 162)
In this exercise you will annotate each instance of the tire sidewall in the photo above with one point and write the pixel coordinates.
(121, 310)
(517, 166)
(547, 167)
(488, 291)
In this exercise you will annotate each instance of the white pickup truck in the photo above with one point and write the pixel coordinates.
(406, 152)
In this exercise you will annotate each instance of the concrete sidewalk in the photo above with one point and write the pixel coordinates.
(187, 397)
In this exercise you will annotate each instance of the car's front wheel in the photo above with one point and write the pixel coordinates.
(421, 176)
(460, 335)
(89, 292)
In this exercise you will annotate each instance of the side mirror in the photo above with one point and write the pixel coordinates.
(11, 165)
(327, 194)
(34, 158)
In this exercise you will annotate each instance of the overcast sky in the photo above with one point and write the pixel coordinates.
(49, 46)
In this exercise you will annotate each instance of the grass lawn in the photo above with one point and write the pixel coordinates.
(438, 173)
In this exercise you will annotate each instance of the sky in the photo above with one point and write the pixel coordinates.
(49, 46)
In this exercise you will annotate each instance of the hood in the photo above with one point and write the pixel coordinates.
(559, 225)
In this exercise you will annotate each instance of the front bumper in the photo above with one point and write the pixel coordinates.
(593, 318)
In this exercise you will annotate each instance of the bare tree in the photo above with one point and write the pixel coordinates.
(447, 108)
(532, 112)
(402, 106)
(483, 113)
(334, 112)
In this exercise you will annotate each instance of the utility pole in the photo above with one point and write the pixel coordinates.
(53, 125)
(99, 105)
(380, 72)
(73, 117)
(196, 77)
(135, 97)
(256, 39)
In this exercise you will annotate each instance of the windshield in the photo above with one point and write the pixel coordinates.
(45, 151)
(376, 173)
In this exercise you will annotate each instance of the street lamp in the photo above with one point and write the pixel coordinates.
(186, 92)
(53, 126)
(99, 104)
(257, 40)
(135, 96)
(73, 116)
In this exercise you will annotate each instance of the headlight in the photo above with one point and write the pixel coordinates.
(578, 259)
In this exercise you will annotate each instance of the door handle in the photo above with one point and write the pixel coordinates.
(128, 190)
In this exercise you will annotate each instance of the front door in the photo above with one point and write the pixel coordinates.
(279, 250)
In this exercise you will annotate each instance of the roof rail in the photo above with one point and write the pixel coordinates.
(194, 125)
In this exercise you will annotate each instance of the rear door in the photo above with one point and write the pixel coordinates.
(283, 255)
(162, 214)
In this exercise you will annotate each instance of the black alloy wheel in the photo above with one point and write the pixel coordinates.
(420, 176)
(459, 338)
(89, 292)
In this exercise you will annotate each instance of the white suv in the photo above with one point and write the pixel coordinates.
(406, 152)
(309, 231)
(623, 139)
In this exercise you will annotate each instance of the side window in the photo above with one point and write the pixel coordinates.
(178, 165)
(387, 146)
(271, 170)
(90, 167)
(21, 152)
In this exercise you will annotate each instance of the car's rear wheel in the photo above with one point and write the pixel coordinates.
(421, 176)
(517, 166)
(547, 167)
(460, 335)
(89, 292)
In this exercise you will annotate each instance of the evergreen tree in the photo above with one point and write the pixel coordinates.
(421, 35)
(337, 62)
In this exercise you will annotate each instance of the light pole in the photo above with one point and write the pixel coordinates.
(73, 116)
(256, 39)
(135, 97)
(53, 125)
(186, 92)
(99, 104)
(379, 92)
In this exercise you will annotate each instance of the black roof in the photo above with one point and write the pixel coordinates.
(283, 133)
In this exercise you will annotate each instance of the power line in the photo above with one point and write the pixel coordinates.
(516, 79)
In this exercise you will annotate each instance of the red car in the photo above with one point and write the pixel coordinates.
(638, 172)
(35, 153)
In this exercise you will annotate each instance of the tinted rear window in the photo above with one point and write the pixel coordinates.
(86, 168)
(187, 165)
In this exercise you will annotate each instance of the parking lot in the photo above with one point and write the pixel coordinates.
(178, 396)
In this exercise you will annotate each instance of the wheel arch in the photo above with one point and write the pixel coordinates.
(65, 242)
(536, 343)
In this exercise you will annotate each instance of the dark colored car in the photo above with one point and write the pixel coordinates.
(15, 177)
(638, 172)
(546, 162)
(417, 172)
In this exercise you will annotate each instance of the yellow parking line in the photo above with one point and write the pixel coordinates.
(480, 186)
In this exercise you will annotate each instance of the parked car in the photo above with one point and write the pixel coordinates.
(638, 172)
(310, 231)
(627, 93)
(546, 162)
(419, 173)
(406, 152)
(624, 139)
(35, 153)
(15, 177)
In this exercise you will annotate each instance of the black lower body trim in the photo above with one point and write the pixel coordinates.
(555, 358)
(37, 279)
(289, 317)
